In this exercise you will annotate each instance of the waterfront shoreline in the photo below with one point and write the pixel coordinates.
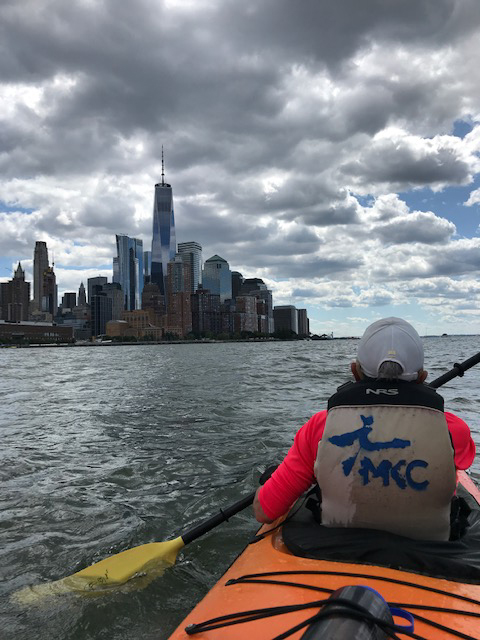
(162, 342)
(202, 341)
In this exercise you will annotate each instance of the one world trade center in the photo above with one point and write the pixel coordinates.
(164, 246)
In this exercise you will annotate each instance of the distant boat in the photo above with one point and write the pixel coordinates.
(444, 335)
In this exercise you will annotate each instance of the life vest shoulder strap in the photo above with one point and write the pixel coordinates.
(386, 392)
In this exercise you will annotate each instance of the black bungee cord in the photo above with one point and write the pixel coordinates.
(349, 609)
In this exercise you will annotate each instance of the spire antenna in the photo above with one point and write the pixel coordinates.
(163, 173)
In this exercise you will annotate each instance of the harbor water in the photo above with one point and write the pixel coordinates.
(105, 448)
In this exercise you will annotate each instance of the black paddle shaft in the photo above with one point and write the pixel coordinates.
(224, 514)
(458, 370)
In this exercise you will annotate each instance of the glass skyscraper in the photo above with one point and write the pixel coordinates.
(164, 246)
(217, 277)
(97, 281)
(147, 266)
(191, 254)
(128, 270)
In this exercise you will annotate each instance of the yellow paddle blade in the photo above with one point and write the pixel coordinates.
(148, 560)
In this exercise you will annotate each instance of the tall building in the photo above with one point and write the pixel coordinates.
(257, 287)
(128, 270)
(179, 276)
(114, 291)
(250, 285)
(179, 306)
(205, 312)
(191, 254)
(82, 298)
(116, 270)
(94, 282)
(49, 292)
(217, 277)
(245, 316)
(164, 246)
(40, 265)
(15, 297)
(303, 323)
(285, 318)
(154, 300)
(101, 310)
(69, 300)
(264, 326)
(147, 267)
(237, 281)
(227, 312)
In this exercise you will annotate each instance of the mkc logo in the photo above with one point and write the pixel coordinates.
(385, 469)
(386, 392)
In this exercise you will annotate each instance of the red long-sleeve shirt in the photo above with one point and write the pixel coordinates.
(295, 474)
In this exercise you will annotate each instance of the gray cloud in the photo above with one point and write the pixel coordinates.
(423, 227)
(463, 258)
(272, 115)
(401, 163)
(311, 267)
(460, 258)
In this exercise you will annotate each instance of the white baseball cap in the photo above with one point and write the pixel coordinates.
(393, 340)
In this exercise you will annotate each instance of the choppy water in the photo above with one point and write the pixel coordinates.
(106, 448)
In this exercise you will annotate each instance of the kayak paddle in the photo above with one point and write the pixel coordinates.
(147, 560)
(150, 560)
(457, 370)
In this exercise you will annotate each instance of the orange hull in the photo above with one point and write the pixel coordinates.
(271, 555)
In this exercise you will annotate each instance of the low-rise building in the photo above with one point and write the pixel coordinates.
(138, 324)
(117, 328)
(34, 332)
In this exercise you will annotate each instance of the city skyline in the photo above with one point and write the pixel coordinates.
(331, 151)
(227, 304)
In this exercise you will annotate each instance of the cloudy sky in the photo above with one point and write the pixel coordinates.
(328, 147)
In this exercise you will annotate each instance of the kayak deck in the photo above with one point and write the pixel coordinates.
(267, 575)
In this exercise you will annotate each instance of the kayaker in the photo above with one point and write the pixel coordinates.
(384, 453)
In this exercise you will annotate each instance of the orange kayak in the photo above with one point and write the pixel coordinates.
(268, 579)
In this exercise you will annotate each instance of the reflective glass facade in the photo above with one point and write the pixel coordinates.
(217, 277)
(191, 254)
(164, 246)
(128, 270)
(101, 309)
(98, 281)
(147, 266)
